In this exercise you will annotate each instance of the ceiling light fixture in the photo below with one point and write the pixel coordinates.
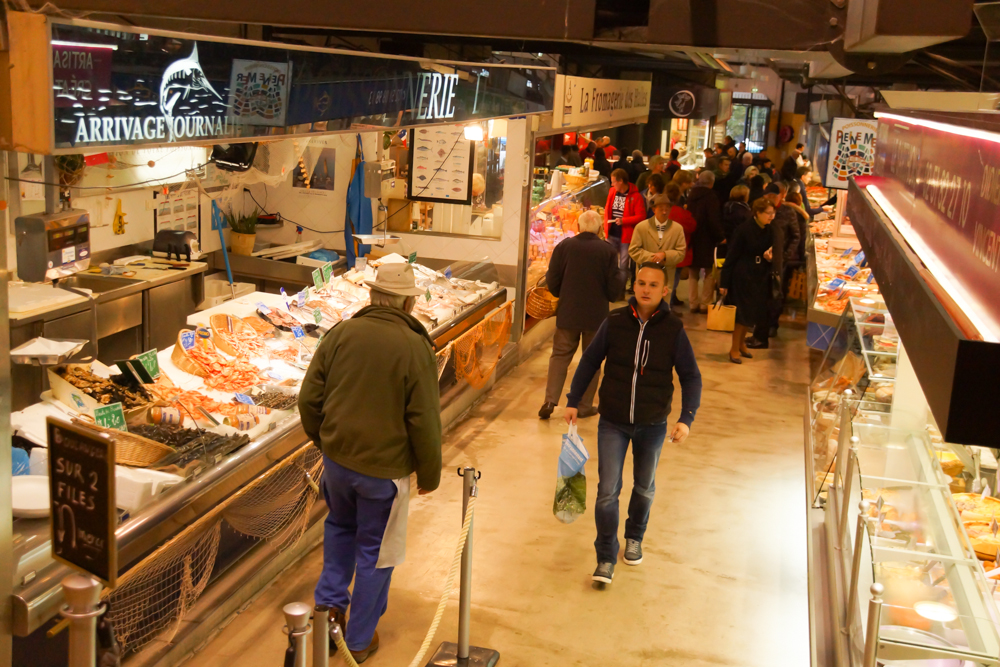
(84, 45)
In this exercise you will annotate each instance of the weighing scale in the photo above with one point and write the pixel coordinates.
(50, 247)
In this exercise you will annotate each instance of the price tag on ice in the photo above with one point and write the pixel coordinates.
(871, 277)
(318, 279)
(847, 252)
(851, 271)
(110, 416)
(187, 340)
(412, 258)
(318, 315)
(427, 295)
(834, 284)
(243, 398)
(859, 259)
(262, 308)
(447, 273)
(285, 299)
(327, 272)
(150, 362)
(298, 332)
(301, 297)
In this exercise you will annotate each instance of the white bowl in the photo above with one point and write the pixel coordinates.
(30, 496)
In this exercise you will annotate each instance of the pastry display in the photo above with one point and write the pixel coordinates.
(976, 507)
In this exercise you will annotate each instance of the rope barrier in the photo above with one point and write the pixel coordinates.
(337, 633)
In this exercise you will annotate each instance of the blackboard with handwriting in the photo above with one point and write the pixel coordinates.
(82, 500)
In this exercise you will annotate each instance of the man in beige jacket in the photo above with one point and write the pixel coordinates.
(659, 239)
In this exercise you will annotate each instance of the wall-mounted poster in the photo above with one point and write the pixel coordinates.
(315, 171)
(258, 92)
(852, 150)
(441, 160)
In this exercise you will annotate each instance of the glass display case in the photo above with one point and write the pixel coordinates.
(555, 218)
(910, 556)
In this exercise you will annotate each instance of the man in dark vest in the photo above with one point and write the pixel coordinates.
(642, 344)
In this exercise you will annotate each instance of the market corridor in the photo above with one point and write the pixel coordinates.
(724, 578)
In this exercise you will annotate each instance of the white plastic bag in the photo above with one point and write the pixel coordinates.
(571, 483)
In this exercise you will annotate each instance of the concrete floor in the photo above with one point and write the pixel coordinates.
(724, 576)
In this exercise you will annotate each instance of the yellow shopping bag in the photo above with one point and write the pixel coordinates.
(721, 317)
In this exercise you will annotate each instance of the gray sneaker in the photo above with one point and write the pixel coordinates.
(633, 552)
(604, 573)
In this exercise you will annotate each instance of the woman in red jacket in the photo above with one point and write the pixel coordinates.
(686, 220)
(625, 209)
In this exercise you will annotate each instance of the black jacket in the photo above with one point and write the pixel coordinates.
(785, 232)
(584, 274)
(704, 205)
(640, 360)
(734, 214)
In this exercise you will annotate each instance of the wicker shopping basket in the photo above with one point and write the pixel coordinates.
(540, 302)
(130, 449)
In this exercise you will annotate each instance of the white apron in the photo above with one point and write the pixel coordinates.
(393, 549)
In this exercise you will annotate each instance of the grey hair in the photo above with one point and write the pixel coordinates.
(590, 221)
(706, 178)
(397, 301)
(637, 154)
(748, 158)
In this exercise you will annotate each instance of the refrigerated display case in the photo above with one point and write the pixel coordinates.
(555, 219)
(896, 566)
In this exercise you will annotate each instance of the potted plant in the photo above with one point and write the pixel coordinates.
(243, 231)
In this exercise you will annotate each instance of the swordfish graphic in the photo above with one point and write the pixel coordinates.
(184, 87)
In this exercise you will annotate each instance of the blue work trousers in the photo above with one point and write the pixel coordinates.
(612, 444)
(359, 511)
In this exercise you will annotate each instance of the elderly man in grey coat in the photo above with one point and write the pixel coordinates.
(583, 273)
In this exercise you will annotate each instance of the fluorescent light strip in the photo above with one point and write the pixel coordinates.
(988, 329)
(84, 45)
(943, 127)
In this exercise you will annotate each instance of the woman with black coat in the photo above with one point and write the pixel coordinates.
(601, 163)
(735, 212)
(746, 276)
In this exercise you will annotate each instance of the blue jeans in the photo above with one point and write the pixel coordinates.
(612, 444)
(359, 511)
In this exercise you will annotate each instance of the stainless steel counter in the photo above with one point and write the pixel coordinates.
(37, 578)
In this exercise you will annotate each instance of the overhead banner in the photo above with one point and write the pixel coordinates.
(852, 151)
(583, 102)
(116, 87)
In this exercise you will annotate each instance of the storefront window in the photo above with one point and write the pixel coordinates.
(690, 137)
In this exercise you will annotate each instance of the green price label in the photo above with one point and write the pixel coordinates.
(327, 272)
(110, 416)
(318, 279)
(412, 258)
(150, 362)
(318, 316)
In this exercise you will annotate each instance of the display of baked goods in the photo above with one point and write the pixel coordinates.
(976, 507)
(984, 542)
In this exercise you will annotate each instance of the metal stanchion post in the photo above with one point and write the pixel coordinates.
(852, 464)
(82, 593)
(874, 619)
(852, 591)
(298, 628)
(449, 654)
(321, 636)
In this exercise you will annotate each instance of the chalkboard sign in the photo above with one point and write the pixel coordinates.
(82, 500)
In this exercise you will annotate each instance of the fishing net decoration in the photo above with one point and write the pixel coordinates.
(156, 595)
(478, 350)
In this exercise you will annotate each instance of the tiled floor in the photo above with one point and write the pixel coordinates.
(724, 577)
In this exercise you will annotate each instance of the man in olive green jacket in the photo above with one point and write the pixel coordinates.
(370, 401)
